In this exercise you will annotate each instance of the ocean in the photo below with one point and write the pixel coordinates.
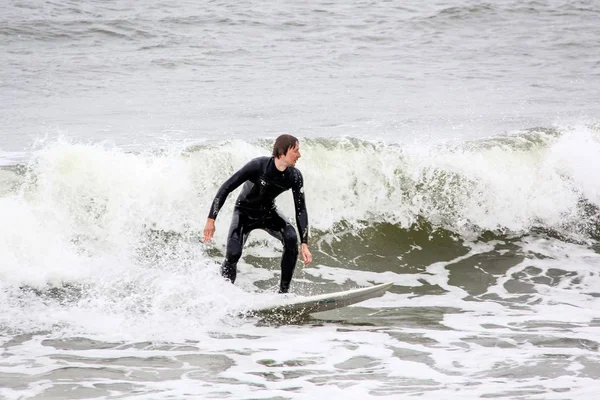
(451, 147)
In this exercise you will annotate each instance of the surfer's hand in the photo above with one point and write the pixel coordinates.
(306, 256)
(209, 230)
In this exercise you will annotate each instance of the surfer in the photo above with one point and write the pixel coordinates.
(264, 179)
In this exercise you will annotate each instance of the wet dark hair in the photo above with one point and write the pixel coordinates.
(282, 144)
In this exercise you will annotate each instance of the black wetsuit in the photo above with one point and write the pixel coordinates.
(255, 209)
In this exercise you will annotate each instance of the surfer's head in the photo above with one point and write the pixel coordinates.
(282, 144)
(286, 151)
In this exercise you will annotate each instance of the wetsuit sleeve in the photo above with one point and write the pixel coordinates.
(246, 172)
(300, 203)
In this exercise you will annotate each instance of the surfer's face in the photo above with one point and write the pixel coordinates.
(292, 155)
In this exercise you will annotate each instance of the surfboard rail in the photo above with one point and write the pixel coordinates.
(305, 305)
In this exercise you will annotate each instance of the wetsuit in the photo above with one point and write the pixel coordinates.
(255, 209)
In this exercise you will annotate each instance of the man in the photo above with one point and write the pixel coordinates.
(265, 178)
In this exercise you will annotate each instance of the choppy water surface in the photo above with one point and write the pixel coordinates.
(161, 71)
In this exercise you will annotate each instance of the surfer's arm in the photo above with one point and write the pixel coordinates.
(301, 216)
(246, 172)
(300, 203)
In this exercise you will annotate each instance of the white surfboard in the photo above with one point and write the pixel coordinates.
(305, 305)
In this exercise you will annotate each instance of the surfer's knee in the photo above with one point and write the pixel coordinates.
(290, 238)
(234, 251)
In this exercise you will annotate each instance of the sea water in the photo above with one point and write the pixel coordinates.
(450, 147)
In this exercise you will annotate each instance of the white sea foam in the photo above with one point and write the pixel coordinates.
(111, 196)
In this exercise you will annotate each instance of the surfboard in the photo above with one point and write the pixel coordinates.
(305, 305)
